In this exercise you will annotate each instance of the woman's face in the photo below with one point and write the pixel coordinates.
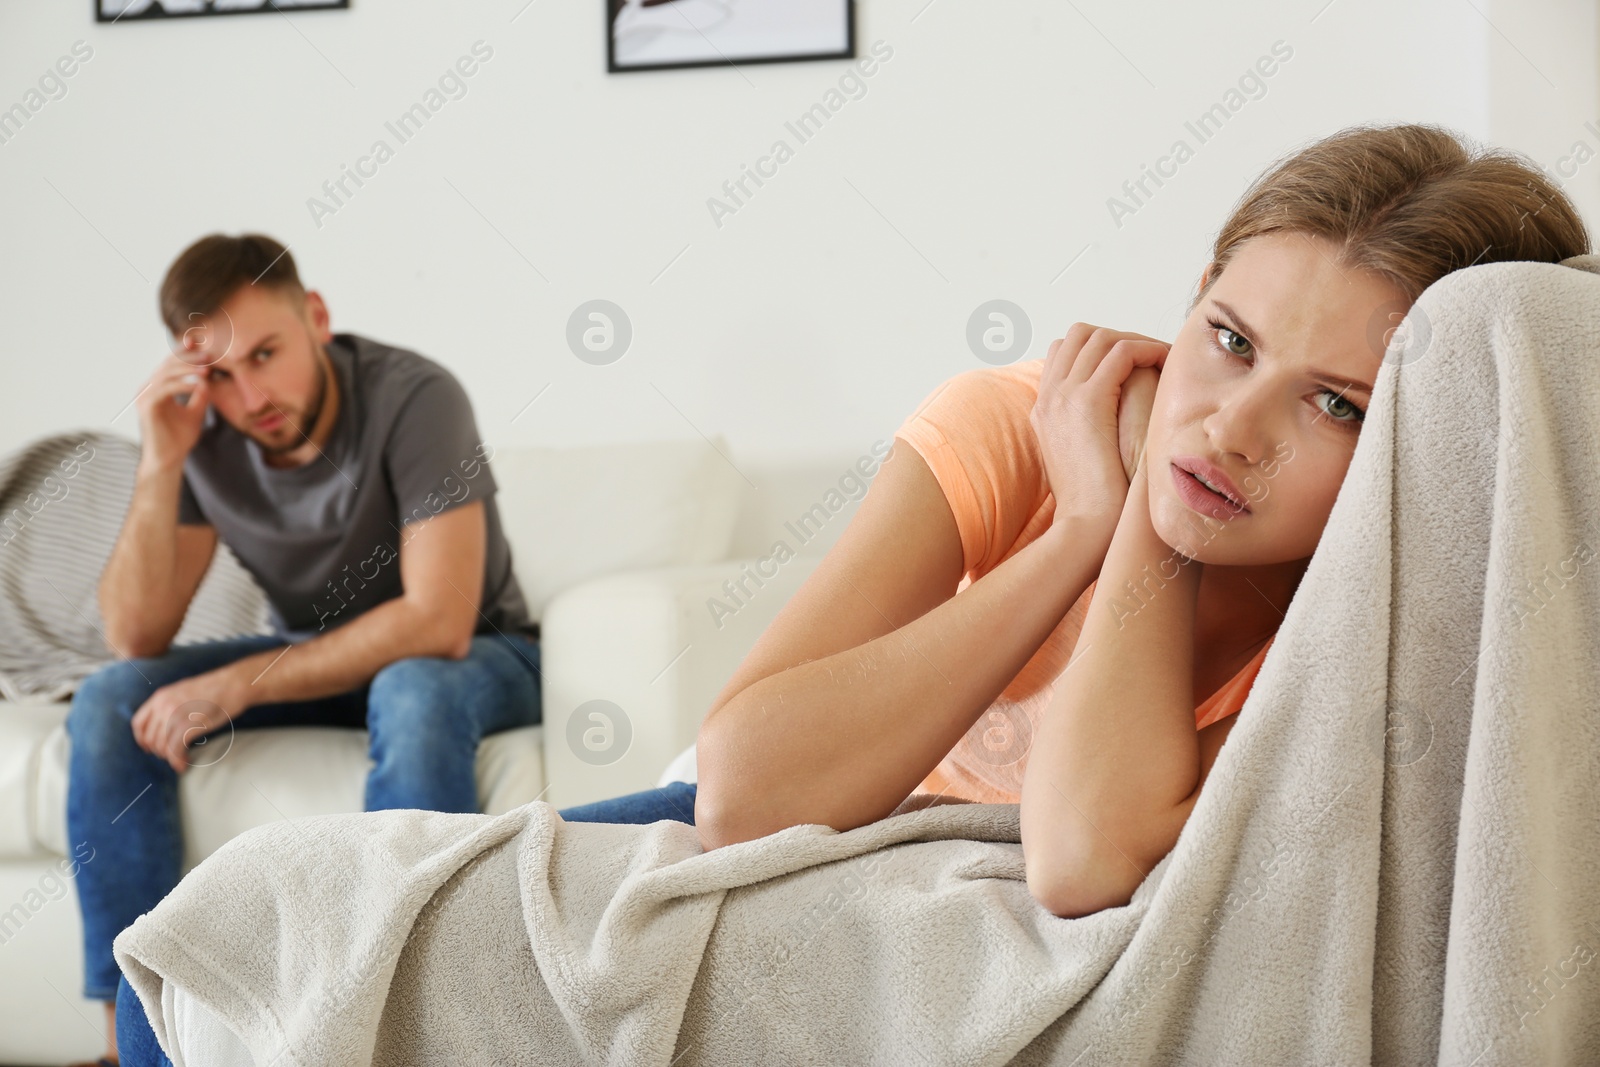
(1256, 384)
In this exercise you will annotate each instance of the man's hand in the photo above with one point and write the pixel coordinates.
(179, 714)
(170, 429)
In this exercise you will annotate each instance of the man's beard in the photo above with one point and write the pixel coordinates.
(303, 430)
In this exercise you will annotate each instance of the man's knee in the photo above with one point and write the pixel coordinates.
(410, 688)
(427, 694)
(107, 699)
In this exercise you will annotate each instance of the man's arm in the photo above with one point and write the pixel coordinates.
(441, 574)
(436, 614)
(157, 564)
(154, 569)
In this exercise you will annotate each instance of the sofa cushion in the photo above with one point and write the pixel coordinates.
(572, 514)
(62, 502)
(257, 777)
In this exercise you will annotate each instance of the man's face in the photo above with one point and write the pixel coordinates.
(1255, 396)
(261, 354)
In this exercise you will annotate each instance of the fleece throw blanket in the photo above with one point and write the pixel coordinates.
(1394, 859)
(62, 501)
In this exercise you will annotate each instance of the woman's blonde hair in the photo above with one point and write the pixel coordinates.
(1411, 202)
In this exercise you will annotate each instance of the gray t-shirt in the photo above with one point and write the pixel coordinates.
(323, 539)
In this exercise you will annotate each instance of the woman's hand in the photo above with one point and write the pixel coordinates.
(1093, 409)
(1133, 417)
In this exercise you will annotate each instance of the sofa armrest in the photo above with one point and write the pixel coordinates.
(657, 646)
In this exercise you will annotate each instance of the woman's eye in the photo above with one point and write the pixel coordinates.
(262, 354)
(1349, 413)
(1230, 339)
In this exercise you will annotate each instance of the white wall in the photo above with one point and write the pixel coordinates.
(977, 165)
(1545, 98)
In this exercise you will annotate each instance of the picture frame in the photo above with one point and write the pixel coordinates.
(143, 10)
(643, 35)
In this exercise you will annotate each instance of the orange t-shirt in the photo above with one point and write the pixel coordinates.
(974, 434)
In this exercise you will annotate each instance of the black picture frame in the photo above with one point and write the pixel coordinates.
(157, 10)
(613, 7)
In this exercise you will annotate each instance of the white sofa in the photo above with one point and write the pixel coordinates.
(618, 549)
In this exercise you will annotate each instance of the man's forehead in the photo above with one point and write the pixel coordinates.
(240, 325)
(226, 345)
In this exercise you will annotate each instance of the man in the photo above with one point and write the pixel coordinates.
(349, 478)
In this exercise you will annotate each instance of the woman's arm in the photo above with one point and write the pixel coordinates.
(875, 668)
(1116, 765)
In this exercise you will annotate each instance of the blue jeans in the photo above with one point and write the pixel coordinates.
(426, 716)
(675, 800)
(136, 1041)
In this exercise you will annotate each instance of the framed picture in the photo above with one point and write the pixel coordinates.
(134, 10)
(668, 34)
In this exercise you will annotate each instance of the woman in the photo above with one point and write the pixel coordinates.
(879, 689)
(1192, 481)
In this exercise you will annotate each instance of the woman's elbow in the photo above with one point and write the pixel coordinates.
(723, 815)
(719, 819)
(711, 823)
(1074, 894)
(1071, 880)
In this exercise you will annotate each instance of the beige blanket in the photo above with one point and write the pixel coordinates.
(1394, 859)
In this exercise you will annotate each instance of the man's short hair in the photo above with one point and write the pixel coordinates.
(212, 269)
